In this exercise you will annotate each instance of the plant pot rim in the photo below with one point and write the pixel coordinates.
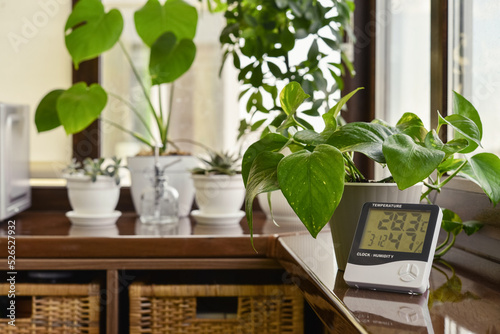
(215, 176)
(86, 178)
(377, 184)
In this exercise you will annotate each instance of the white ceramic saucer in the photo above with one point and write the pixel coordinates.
(82, 219)
(217, 219)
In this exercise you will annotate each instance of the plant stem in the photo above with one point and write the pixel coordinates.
(133, 134)
(444, 251)
(170, 105)
(444, 242)
(135, 111)
(144, 90)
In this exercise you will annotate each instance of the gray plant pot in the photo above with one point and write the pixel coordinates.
(345, 219)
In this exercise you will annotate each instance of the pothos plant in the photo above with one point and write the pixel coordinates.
(312, 177)
(167, 30)
(263, 37)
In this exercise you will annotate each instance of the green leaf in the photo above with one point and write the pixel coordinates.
(92, 30)
(176, 16)
(46, 117)
(80, 105)
(432, 140)
(472, 226)
(309, 137)
(169, 60)
(464, 128)
(271, 142)
(461, 106)
(366, 138)
(291, 97)
(335, 110)
(412, 125)
(451, 222)
(262, 178)
(484, 170)
(313, 183)
(408, 162)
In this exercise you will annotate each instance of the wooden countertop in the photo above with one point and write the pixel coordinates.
(464, 294)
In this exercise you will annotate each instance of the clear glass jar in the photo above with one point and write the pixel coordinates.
(159, 202)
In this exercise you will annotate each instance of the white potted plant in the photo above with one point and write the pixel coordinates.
(93, 191)
(219, 189)
(314, 178)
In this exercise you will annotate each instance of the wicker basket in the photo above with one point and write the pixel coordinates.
(172, 309)
(55, 309)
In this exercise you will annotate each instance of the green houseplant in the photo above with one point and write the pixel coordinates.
(167, 31)
(93, 191)
(312, 178)
(265, 40)
(219, 188)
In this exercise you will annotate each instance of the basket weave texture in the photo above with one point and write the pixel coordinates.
(261, 309)
(55, 309)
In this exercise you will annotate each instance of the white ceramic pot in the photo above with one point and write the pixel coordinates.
(219, 194)
(179, 177)
(92, 198)
(282, 211)
(345, 219)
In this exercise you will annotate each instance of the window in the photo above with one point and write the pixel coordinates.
(474, 52)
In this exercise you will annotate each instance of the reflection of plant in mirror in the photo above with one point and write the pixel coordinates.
(451, 290)
(167, 30)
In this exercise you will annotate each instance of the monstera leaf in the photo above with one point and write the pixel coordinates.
(46, 117)
(170, 58)
(176, 16)
(91, 30)
(80, 105)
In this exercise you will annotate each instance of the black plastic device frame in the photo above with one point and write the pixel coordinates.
(394, 256)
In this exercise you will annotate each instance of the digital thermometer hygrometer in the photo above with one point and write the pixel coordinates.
(393, 247)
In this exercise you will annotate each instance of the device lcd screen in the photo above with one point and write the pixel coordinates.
(395, 230)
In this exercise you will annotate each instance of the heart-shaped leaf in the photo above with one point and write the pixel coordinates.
(176, 16)
(366, 138)
(291, 97)
(46, 117)
(408, 162)
(484, 170)
(271, 142)
(169, 60)
(461, 106)
(92, 30)
(313, 184)
(464, 128)
(262, 178)
(472, 226)
(80, 105)
(412, 125)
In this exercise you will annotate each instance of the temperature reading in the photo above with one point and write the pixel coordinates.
(395, 230)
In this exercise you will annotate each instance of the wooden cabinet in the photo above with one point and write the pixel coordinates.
(463, 291)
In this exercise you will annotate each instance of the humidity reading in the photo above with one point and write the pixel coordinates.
(395, 230)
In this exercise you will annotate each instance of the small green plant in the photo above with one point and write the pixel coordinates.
(96, 167)
(219, 163)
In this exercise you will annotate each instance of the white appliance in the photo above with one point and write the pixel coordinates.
(15, 192)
